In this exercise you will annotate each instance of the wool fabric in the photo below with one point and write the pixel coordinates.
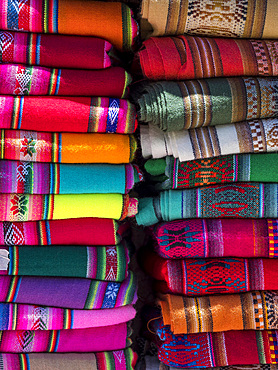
(179, 105)
(111, 21)
(19, 79)
(190, 57)
(216, 237)
(67, 114)
(73, 293)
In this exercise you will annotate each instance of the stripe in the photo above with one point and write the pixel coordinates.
(37, 52)
(2, 144)
(198, 314)
(14, 260)
(24, 361)
(54, 186)
(92, 294)
(48, 234)
(54, 81)
(53, 340)
(14, 316)
(13, 289)
(126, 27)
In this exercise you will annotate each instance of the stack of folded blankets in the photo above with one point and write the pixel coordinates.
(209, 113)
(65, 174)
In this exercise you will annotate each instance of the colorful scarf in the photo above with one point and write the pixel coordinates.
(55, 51)
(174, 106)
(190, 57)
(196, 277)
(124, 359)
(111, 21)
(45, 178)
(67, 147)
(237, 347)
(246, 311)
(108, 263)
(170, 173)
(255, 200)
(216, 237)
(35, 207)
(76, 231)
(67, 114)
(19, 79)
(72, 293)
(27, 317)
(105, 338)
(247, 19)
(206, 142)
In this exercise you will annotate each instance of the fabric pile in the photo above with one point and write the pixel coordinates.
(207, 105)
(66, 171)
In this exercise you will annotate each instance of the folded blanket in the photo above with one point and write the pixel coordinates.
(247, 19)
(237, 347)
(74, 293)
(173, 105)
(55, 51)
(19, 79)
(67, 147)
(111, 21)
(35, 207)
(206, 142)
(76, 231)
(29, 317)
(256, 311)
(72, 114)
(170, 173)
(105, 338)
(124, 359)
(216, 237)
(247, 200)
(108, 263)
(49, 178)
(190, 57)
(195, 277)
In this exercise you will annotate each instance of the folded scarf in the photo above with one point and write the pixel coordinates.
(68, 292)
(227, 237)
(247, 19)
(246, 311)
(100, 263)
(76, 231)
(237, 347)
(170, 173)
(35, 207)
(55, 51)
(195, 277)
(45, 178)
(105, 338)
(19, 79)
(67, 114)
(67, 147)
(124, 359)
(190, 57)
(189, 104)
(206, 142)
(27, 317)
(247, 200)
(111, 21)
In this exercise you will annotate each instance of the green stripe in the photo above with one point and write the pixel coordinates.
(260, 346)
(221, 100)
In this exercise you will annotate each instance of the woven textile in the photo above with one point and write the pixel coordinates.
(189, 104)
(19, 79)
(67, 114)
(241, 200)
(238, 347)
(72, 293)
(195, 277)
(101, 263)
(66, 147)
(256, 310)
(110, 21)
(226, 237)
(82, 231)
(28, 317)
(54, 51)
(35, 207)
(225, 169)
(45, 178)
(189, 57)
(205, 142)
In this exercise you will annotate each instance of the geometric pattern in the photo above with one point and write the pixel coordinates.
(273, 238)
(258, 310)
(273, 346)
(256, 133)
